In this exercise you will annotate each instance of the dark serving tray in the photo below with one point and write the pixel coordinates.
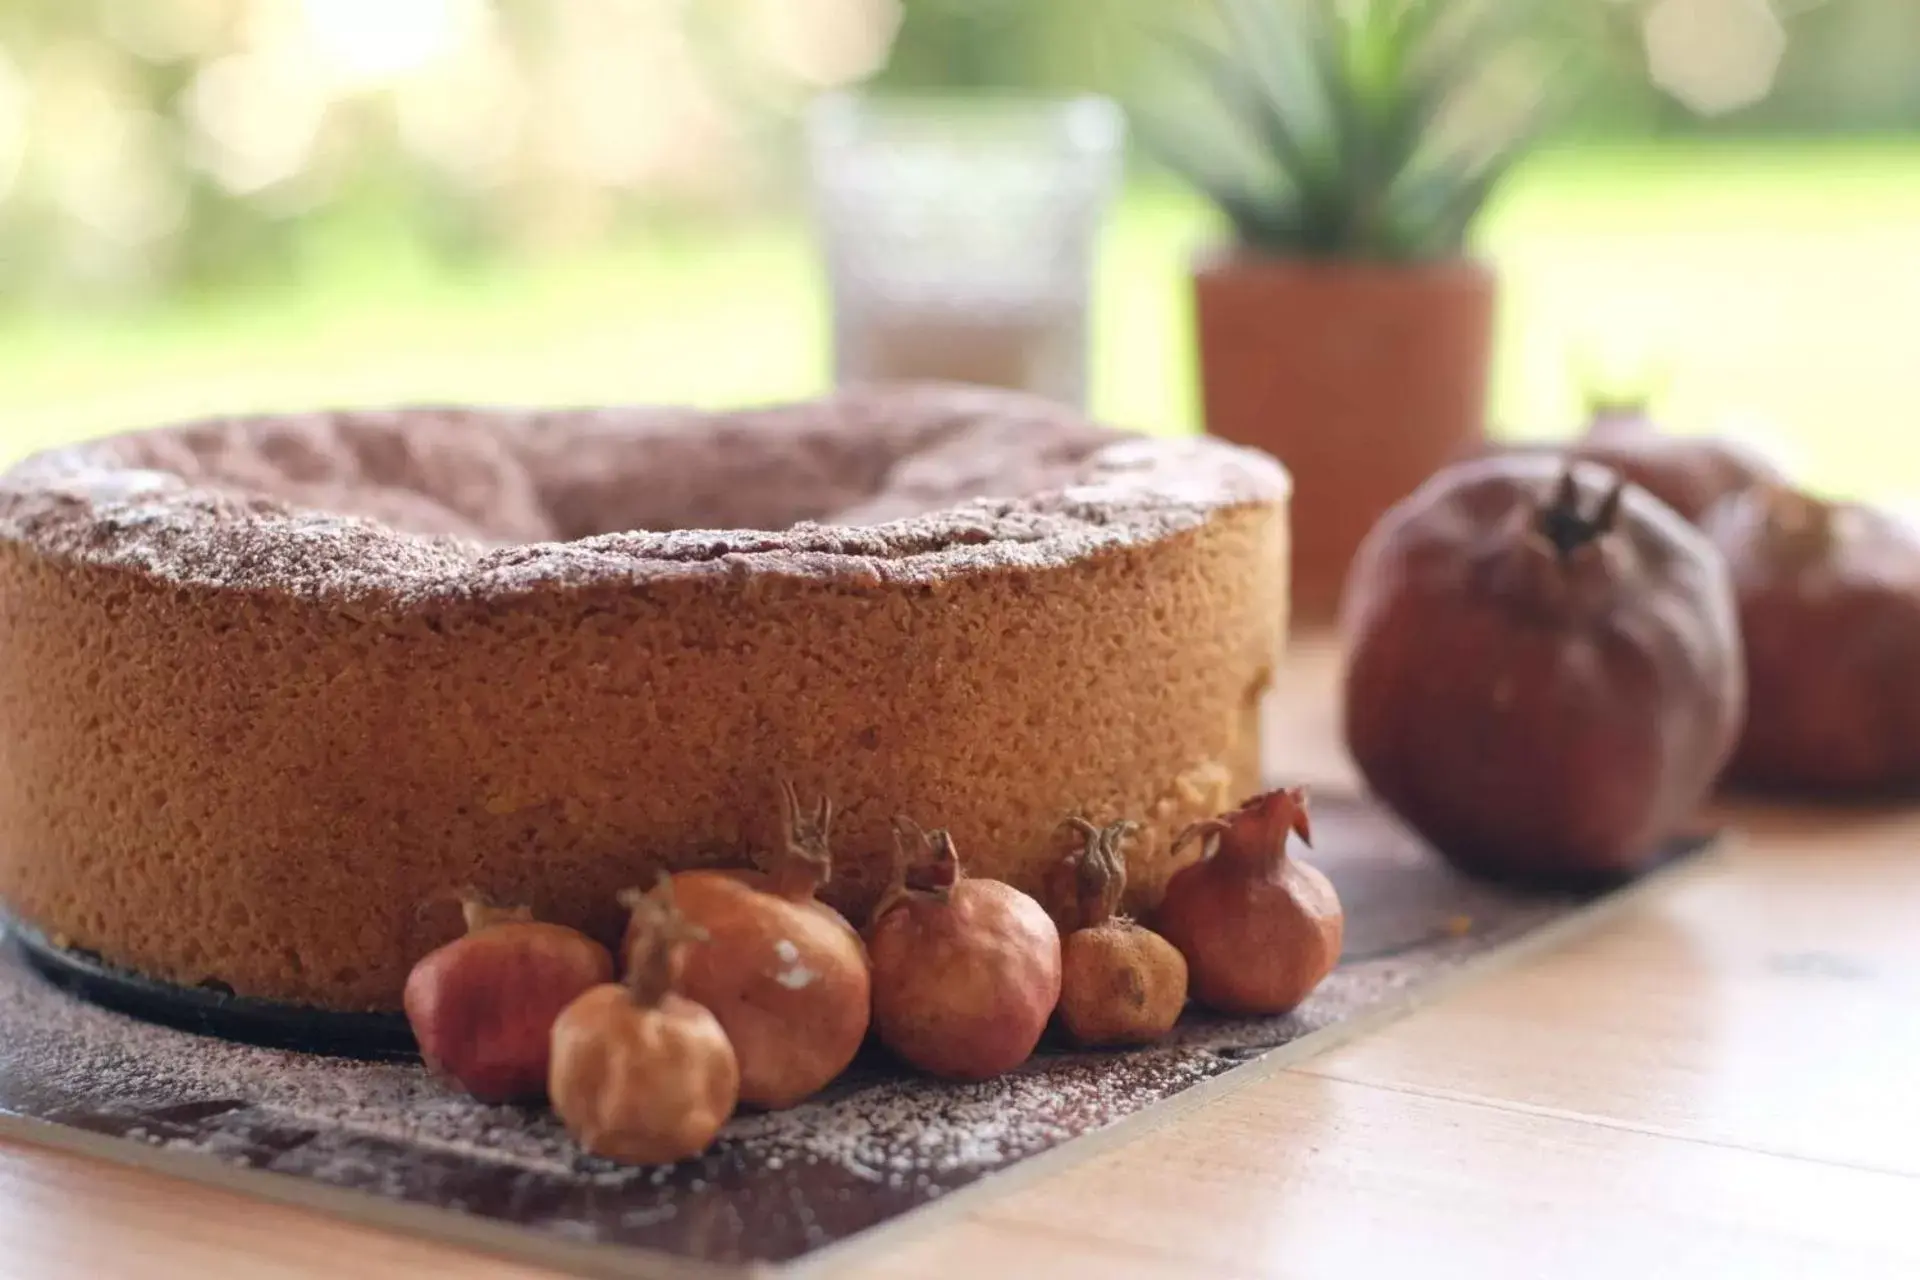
(366, 1134)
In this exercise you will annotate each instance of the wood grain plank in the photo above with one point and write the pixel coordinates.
(63, 1214)
(1765, 1001)
(1305, 1176)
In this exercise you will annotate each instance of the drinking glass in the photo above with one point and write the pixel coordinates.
(958, 235)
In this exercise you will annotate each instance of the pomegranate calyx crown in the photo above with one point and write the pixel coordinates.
(806, 860)
(932, 874)
(660, 937)
(1561, 522)
(1099, 870)
(477, 910)
(1257, 829)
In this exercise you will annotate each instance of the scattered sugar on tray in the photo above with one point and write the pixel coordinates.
(873, 1127)
(885, 1128)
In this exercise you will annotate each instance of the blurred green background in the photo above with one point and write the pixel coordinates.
(214, 205)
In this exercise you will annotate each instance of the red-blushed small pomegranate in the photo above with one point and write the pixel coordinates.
(1120, 983)
(640, 1073)
(1259, 928)
(1830, 612)
(966, 972)
(784, 973)
(481, 1007)
(1544, 668)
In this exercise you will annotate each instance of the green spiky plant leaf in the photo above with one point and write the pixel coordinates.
(1361, 128)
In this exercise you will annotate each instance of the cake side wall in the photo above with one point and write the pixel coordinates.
(213, 784)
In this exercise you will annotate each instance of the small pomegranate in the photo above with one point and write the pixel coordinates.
(640, 1073)
(784, 973)
(1120, 983)
(481, 1007)
(966, 972)
(1260, 930)
(1830, 611)
(1544, 668)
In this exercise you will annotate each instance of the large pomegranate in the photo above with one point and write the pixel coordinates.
(1545, 672)
(1830, 612)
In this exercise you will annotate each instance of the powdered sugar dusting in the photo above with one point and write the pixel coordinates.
(386, 510)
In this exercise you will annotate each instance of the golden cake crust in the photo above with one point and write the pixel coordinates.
(268, 685)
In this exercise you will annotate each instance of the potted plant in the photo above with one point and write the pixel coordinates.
(1346, 328)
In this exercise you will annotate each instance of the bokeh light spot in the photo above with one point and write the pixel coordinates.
(1714, 56)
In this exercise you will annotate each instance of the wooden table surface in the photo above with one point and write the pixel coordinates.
(1723, 1079)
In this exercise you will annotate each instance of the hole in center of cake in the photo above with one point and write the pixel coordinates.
(507, 477)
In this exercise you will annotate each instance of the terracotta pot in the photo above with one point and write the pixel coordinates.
(1363, 378)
